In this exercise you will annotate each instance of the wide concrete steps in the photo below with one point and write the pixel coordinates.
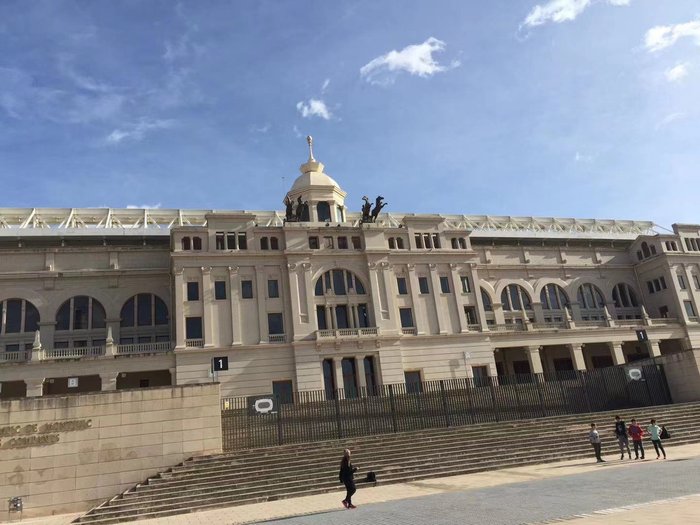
(258, 475)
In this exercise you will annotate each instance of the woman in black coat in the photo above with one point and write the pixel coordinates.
(347, 477)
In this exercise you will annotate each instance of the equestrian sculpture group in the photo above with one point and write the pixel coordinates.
(370, 214)
(298, 214)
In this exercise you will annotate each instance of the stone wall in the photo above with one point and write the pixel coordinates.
(68, 453)
(683, 375)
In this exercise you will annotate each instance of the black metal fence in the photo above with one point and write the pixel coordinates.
(268, 420)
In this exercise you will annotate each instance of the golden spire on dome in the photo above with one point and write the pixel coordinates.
(310, 142)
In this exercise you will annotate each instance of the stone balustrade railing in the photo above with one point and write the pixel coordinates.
(53, 354)
(144, 348)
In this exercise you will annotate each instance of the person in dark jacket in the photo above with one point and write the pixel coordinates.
(621, 435)
(347, 478)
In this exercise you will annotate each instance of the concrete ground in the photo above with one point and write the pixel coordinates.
(578, 492)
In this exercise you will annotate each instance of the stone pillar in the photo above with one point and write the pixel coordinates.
(376, 294)
(111, 347)
(177, 315)
(538, 312)
(35, 387)
(533, 356)
(260, 297)
(476, 290)
(114, 325)
(575, 311)
(109, 381)
(654, 348)
(692, 292)
(47, 331)
(617, 354)
(576, 352)
(608, 317)
(417, 308)
(208, 305)
(388, 276)
(437, 292)
(456, 284)
(234, 286)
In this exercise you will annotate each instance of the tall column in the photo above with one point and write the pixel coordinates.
(617, 354)
(47, 330)
(456, 284)
(654, 348)
(576, 352)
(113, 326)
(178, 316)
(109, 381)
(417, 307)
(476, 289)
(378, 308)
(234, 286)
(389, 285)
(692, 293)
(260, 297)
(538, 312)
(35, 387)
(533, 356)
(208, 305)
(437, 291)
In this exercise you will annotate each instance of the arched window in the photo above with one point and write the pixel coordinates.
(144, 319)
(553, 297)
(624, 296)
(486, 300)
(323, 210)
(274, 243)
(80, 313)
(264, 245)
(515, 298)
(18, 316)
(645, 249)
(186, 243)
(590, 297)
(196, 243)
(341, 301)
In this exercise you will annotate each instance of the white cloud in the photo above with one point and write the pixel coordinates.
(261, 129)
(677, 73)
(558, 11)
(325, 85)
(314, 108)
(415, 59)
(296, 131)
(143, 206)
(137, 131)
(670, 118)
(580, 157)
(661, 37)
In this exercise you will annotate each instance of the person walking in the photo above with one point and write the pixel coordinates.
(347, 478)
(655, 434)
(595, 441)
(621, 434)
(636, 433)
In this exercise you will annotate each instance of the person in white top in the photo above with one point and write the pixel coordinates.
(594, 437)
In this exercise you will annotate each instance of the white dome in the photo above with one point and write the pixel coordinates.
(313, 178)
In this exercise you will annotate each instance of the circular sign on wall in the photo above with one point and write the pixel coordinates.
(635, 374)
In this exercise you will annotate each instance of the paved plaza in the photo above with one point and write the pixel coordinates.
(617, 492)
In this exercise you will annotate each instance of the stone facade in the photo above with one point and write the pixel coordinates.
(330, 301)
(67, 453)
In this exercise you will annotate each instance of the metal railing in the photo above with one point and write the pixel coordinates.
(318, 415)
(347, 332)
(194, 343)
(409, 331)
(144, 348)
(73, 353)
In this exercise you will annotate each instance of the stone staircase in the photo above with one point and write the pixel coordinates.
(266, 474)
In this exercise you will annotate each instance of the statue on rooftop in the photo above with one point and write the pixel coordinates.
(289, 209)
(378, 205)
(366, 207)
(299, 209)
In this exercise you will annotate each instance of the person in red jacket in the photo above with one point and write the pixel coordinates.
(636, 433)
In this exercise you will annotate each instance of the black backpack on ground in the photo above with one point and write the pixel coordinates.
(371, 477)
(664, 433)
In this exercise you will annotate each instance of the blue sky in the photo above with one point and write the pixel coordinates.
(570, 108)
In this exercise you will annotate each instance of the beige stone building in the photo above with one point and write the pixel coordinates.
(101, 299)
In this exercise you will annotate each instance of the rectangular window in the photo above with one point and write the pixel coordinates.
(406, 315)
(193, 291)
(273, 289)
(220, 241)
(275, 326)
(231, 241)
(339, 282)
(401, 284)
(689, 309)
(681, 282)
(363, 315)
(426, 240)
(349, 368)
(650, 286)
(247, 289)
(370, 375)
(696, 281)
(470, 312)
(321, 317)
(423, 285)
(419, 240)
(313, 242)
(242, 241)
(662, 281)
(328, 242)
(282, 390)
(356, 243)
(436, 240)
(481, 375)
(193, 327)
(413, 382)
(219, 290)
(444, 284)
(329, 378)
(466, 287)
(342, 243)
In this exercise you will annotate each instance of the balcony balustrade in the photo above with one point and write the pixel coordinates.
(277, 338)
(55, 354)
(599, 323)
(15, 357)
(144, 348)
(473, 327)
(194, 343)
(409, 331)
(347, 333)
(507, 327)
(552, 325)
